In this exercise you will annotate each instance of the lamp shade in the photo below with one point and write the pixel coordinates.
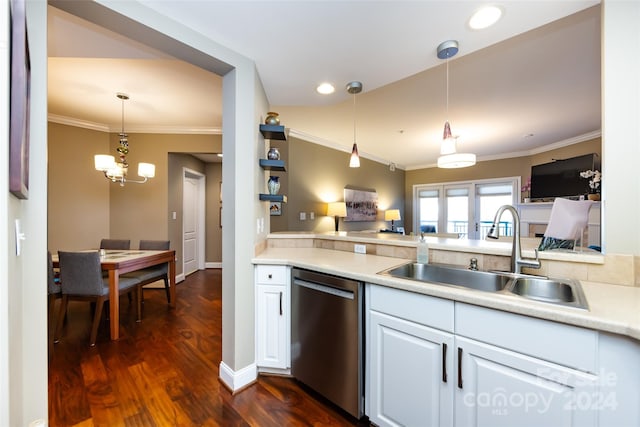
(104, 162)
(392, 215)
(146, 170)
(457, 160)
(337, 209)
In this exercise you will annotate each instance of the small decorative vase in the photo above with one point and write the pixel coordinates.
(272, 119)
(273, 184)
(273, 154)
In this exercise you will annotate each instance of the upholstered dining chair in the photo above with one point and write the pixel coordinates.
(81, 279)
(155, 273)
(115, 244)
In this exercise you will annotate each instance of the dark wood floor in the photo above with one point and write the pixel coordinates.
(164, 370)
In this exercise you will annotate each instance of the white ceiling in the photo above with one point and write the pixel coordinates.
(531, 81)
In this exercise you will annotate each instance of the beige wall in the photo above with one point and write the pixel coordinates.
(78, 195)
(213, 241)
(517, 166)
(316, 175)
(84, 207)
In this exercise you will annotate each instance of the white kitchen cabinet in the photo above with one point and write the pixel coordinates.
(273, 323)
(498, 387)
(409, 367)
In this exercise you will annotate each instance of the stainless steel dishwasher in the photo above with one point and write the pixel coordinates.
(327, 338)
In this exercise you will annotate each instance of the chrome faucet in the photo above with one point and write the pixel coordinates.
(517, 261)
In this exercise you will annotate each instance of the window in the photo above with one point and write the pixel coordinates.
(465, 208)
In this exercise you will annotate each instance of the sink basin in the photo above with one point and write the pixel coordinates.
(564, 292)
(479, 280)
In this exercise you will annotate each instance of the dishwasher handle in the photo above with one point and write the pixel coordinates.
(324, 289)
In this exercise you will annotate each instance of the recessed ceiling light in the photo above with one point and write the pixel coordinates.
(325, 89)
(485, 17)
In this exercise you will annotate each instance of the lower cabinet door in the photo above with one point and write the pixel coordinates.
(497, 387)
(410, 373)
(271, 326)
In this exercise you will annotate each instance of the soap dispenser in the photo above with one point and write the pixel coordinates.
(423, 250)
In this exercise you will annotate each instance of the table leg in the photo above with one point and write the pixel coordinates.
(172, 282)
(114, 304)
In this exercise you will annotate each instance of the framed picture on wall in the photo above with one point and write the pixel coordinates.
(275, 208)
(19, 103)
(362, 204)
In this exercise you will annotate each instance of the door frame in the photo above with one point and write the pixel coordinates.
(201, 213)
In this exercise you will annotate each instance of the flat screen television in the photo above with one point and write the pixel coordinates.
(561, 178)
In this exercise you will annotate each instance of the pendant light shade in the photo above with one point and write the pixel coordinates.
(449, 157)
(354, 88)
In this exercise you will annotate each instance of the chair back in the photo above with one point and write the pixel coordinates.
(80, 274)
(156, 245)
(115, 244)
(52, 286)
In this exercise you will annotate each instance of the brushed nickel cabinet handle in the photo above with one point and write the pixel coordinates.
(280, 303)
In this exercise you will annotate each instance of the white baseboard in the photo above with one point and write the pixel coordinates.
(236, 380)
(212, 265)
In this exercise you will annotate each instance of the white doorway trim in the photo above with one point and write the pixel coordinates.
(200, 203)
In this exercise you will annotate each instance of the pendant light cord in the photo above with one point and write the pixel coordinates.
(447, 63)
(354, 118)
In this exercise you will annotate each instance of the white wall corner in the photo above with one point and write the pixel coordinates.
(237, 380)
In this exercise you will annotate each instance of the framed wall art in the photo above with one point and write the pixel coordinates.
(275, 208)
(19, 103)
(362, 204)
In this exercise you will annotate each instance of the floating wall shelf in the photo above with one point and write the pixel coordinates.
(274, 197)
(272, 165)
(273, 132)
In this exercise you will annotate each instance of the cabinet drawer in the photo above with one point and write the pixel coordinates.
(423, 309)
(271, 274)
(555, 342)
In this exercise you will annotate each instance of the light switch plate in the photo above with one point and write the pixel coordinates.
(303, 216)
(312, 215)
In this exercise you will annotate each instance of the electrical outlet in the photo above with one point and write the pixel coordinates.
(360, 249)
(303, 216)
(312, 215)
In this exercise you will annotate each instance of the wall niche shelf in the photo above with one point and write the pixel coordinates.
(272, 165)
(273, 132)
(274, 197)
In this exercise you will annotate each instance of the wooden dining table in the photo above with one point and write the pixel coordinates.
(119, 261)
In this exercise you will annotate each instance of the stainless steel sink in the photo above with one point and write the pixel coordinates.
(564, 292)
(449, 275)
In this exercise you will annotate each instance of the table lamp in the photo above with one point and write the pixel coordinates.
(392, 215)
(337, 210)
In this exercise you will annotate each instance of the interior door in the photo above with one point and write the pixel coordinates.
(190, 221)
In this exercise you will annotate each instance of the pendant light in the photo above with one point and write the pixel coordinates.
(117, 171)
(449, 157)
(354, 88)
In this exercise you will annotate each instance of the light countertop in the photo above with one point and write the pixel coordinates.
(612, 308)
(488, 247)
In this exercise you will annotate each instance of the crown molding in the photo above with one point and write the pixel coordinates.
(101, 127)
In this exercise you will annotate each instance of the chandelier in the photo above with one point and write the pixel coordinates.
(117, 171)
